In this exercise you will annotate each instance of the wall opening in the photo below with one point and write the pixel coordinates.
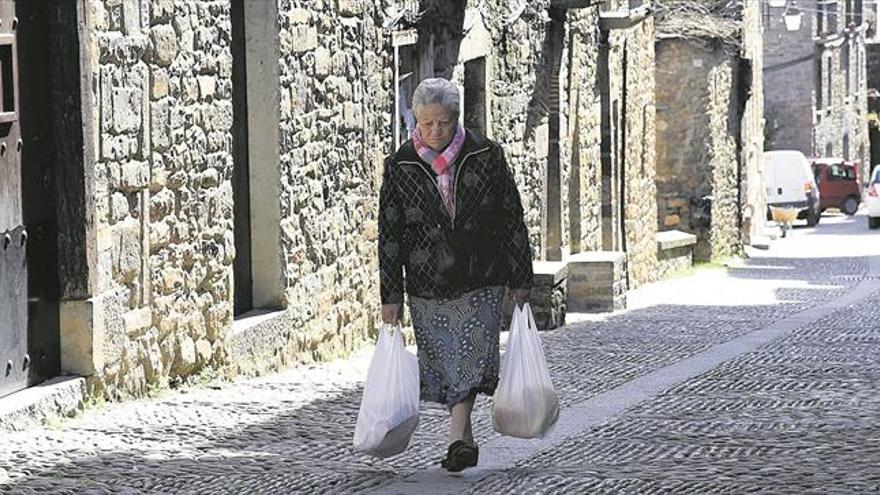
(57, 186)
(242, 276)
(259, 265)
(475, 116)
(574, 183)
(620, 123)
(555, 35)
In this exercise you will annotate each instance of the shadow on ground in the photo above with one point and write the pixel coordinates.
(308, 449)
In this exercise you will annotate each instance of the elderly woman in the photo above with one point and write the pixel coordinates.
(452, 237)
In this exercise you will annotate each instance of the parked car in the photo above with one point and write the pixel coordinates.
(791, 185)
(839, 184)
(872, 198)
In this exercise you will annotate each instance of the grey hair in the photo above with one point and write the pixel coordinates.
(437, 91)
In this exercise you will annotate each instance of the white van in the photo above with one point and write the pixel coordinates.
(790, 184)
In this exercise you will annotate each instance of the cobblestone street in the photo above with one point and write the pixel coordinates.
(760, 377)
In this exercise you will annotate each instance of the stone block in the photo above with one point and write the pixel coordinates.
(131, 16)
(670, 239)
(126, 250)
(126, 109)
(82, 339)
(184, 355)
(671, 220)
(204, 351)
(137, 321)
(302, 38)
(299, 16)
(162, 10)
(350, 8)
(351, 116)
(207, 87)
(323, 62)
(164, 44)
(549, 294)
(160, 235)
(118, 207)
(159, 86)
(596, 282)
(134, 176)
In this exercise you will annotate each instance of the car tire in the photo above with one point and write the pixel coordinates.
(850, 206)
(873, 222)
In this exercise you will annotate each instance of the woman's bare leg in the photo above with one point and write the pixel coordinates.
(460, 427)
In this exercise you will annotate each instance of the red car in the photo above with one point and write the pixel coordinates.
(839, 184)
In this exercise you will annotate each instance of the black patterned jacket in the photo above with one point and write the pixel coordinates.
(413, 222)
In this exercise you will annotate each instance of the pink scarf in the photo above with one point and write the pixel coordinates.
(440, 163)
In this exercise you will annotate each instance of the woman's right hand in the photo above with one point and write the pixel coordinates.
(391, 313)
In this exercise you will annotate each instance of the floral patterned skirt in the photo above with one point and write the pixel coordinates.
(458, 344)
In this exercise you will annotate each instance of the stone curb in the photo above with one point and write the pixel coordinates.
(58, 397)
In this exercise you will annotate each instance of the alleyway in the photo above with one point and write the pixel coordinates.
(765, 376)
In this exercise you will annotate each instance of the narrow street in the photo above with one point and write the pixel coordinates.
(760, 377)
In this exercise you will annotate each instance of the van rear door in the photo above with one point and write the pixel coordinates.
(788, 172)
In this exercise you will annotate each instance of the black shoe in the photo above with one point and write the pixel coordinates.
(461, 455)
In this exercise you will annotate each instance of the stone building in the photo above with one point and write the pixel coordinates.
(710, 125)
(204, 191)
(827, 117)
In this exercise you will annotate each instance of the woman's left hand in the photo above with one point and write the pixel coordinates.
(520, 296)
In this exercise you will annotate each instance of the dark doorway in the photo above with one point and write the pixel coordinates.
(41, 75)
(553, 52)
(475, 95)
(242, 273)
(14, 357)
(620, 122)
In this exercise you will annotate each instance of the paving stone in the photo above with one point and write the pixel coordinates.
(796, 415)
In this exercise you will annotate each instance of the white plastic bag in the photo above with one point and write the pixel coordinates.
(525, 404)
(389, 410)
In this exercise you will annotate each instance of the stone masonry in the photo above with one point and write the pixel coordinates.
(827, 118)
(161, 77)
(163, 199)
(557, 83)
(708, 146)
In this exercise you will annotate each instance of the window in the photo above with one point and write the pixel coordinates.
(820, 91)
(832, 10)
(829, 82)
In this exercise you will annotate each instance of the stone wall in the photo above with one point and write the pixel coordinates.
(520, 109)
(640, 165)
(753, 195)
(841, 127)
(788, 56)
(696, 155)
(335, 109)
(163, 199)
(161, 77)
(836, 121)
(584, 200)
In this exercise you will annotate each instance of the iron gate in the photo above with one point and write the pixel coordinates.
(14, 362)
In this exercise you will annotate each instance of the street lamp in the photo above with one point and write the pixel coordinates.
(792, 17)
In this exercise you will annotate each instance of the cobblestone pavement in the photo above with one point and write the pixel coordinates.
(798, 414)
